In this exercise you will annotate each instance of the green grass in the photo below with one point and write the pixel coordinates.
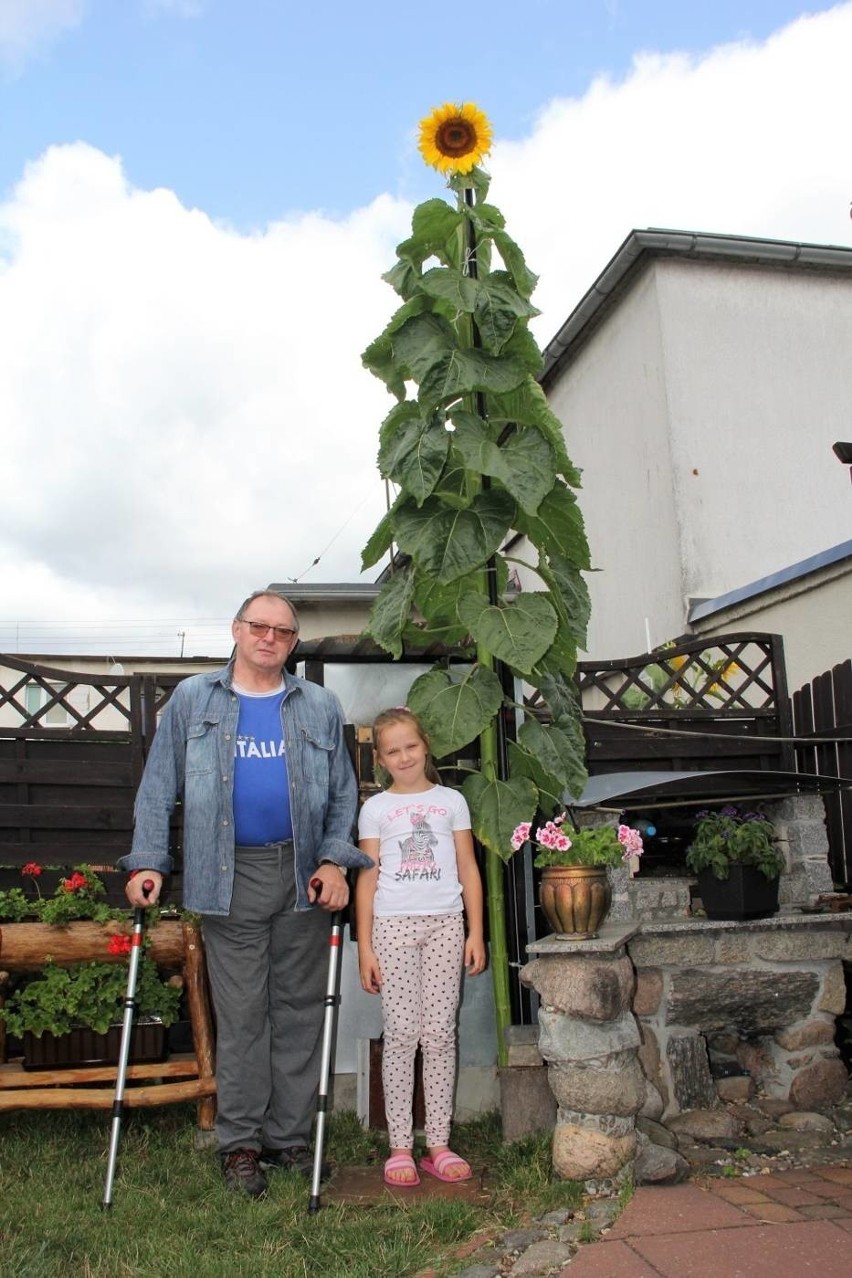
(173, 1218)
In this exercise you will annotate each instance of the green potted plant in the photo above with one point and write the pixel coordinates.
(69, 1012)
(575, 892)
(738, 863)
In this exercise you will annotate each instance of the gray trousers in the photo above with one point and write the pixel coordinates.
(268, 970)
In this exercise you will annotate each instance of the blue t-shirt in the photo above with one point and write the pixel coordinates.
(261, 792)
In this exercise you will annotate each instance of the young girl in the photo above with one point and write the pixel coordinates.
(411, 941)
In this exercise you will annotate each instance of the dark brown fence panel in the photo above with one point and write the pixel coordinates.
(822, 709)
(717, 702)
(72, 751)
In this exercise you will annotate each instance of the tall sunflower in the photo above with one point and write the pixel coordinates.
(453, 139)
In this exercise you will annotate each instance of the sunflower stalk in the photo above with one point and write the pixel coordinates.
(477, 456)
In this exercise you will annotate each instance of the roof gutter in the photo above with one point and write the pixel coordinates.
(640, 246)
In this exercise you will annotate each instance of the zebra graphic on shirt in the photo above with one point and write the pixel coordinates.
(417, 848)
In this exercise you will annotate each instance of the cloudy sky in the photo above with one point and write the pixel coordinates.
(197, 201)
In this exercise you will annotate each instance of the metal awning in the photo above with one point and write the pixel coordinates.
(661, 789)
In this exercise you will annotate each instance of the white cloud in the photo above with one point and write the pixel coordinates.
(749, 139)
(189, 413)
(185, 412)
(27, 25)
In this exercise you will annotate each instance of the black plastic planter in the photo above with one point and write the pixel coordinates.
(744, 894)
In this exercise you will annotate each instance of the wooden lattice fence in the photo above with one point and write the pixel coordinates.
(72, 751)
(696, 704)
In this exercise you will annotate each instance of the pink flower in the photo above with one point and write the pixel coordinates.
(631, 841)
(520, 835)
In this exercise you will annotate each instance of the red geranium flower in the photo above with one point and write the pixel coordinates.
(75, 883)
(32, 868)
(119, 944)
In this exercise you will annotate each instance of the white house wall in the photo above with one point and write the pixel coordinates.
(702, 411)
(612, 402)
(759, 386)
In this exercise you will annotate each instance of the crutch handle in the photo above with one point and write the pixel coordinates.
(317, 885)
(147, 887)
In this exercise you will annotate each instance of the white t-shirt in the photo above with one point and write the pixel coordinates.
(418, 870)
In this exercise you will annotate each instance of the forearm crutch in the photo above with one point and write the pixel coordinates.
(332, 998)
(124, 1050)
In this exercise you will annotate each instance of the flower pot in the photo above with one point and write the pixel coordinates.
(575, 899)
(744, 894)
(83, 1046)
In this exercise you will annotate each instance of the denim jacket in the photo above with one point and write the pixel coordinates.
(192, 757)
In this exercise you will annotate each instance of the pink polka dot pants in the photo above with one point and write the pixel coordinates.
(421, 960)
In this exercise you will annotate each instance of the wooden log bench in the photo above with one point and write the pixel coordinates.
(173, 943)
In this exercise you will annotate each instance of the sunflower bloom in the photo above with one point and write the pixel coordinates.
(453, 139)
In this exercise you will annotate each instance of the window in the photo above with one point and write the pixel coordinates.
(36, 697)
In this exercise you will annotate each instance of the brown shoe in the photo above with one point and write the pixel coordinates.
(242, 1171)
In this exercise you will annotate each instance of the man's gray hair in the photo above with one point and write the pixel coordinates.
(267, 594)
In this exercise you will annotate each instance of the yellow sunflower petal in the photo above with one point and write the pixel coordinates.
(453, 139)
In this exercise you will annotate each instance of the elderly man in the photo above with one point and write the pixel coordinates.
(269, 798)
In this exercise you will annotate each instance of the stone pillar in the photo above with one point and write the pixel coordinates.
(589, 1038)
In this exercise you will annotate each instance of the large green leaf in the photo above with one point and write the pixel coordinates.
(379, 359)
(454, 488)
(382, 537)
(571, 594)
(527, 405)
(413, 453)
(451, 543)
(421, 342)
(434, 226)
(391, 612)
(523, 764)
(524, 464)
(498, 307)
(476, 180)
(451, 286)
(513, 260)
(458, 372)
(404, 278)
(523, 347)
(487, 218)
(517, 633)
(558, 526)
(439, 604)
(497, 807)
(561, 656)
(454, 708)
(563, 700)
(559, 751)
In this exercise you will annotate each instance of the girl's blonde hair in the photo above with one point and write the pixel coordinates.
(402, 714)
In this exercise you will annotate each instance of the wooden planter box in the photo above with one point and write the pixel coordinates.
(87, 1047)
(744, 894)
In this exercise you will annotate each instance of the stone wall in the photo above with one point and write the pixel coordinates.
(656, 1020)
(753, 1001)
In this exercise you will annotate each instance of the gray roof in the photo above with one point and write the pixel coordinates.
(642, 246)
(707, 607)
(325, 592)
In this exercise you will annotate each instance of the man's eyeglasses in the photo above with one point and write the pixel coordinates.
(262, 628)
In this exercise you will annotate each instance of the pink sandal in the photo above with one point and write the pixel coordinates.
(401, 1162)
(439, 1165)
